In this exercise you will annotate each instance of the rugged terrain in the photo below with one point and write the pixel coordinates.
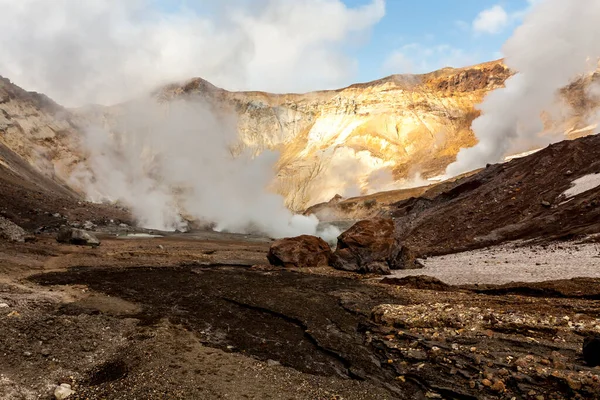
(204, 315)
(387, 134)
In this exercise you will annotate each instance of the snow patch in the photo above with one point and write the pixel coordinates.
(582, 184)
(520, 155)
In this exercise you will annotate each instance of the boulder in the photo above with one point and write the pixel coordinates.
(11, 231)
(300, 252)
(76, 236)
(591, 350)
(371, 246)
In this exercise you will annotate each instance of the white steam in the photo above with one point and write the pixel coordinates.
(165, 161)
(170, 159)
(107, 51)
(557, 41)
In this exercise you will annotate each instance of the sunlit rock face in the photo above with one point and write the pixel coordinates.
(381, 135)
(396, 132)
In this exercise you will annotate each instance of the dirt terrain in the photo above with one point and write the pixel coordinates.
(523, 199)
(204, 316)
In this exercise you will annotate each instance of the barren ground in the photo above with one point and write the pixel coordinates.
(203, 316)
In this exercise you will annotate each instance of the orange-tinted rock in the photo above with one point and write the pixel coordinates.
(300, 252)
(371, 246)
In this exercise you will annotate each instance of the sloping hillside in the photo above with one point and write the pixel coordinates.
(551, 194)
(38, 149)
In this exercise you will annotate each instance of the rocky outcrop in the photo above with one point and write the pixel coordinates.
(11, 231)
(372, 136)
(300, 252)
(387, 134)
(76, 236)
(371, 246)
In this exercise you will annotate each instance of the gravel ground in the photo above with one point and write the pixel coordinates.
(513, 263)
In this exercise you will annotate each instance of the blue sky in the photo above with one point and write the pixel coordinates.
(431, 34)
(120, 48)
(414, 36)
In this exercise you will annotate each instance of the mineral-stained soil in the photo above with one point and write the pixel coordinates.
(201, 317)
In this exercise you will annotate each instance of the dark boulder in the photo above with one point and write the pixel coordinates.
(300, 252)
(76, 236)
(371, 246)
(591, 350)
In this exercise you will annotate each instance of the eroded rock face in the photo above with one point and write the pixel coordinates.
(300, 252)
(371, 246)
(76, 236)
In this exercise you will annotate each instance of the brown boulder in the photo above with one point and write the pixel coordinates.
(300, 252)
(371, 246)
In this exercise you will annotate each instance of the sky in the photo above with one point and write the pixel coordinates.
(415, 36)
(425, 35)
(106, 51)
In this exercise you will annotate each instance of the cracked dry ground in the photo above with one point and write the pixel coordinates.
(132, 320)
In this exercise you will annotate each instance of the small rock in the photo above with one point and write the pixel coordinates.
(89, 225)
(546, 203)
(486, 383)
(27, 353)
(56, 215)
(569, 172)
(273, 363)
(63, 391)
(417, 355)
(46, 352)
(160, 246)
(4, 305)
(498, 386)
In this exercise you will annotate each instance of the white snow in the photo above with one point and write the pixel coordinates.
(139, 235)
(527, 153)
(582, 184)
(512, 262)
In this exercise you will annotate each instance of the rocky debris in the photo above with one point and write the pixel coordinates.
(300, 252)
(496, 352)
(76, 236)
(370, 246)
(11, 231)
(591, 350)
(63, 391)
(88, 225)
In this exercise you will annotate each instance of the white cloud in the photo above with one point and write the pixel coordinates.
(104, 50)
(416, 58)
(491, 21)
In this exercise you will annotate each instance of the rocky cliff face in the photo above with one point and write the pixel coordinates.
(387, 134)
(374, 136)
(39, 132)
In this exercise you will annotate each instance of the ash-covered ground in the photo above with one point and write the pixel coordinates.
(206, 317)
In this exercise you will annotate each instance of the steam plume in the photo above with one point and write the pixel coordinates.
(557, 41)
(169, 159)
(107, 51)
(165, 161)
